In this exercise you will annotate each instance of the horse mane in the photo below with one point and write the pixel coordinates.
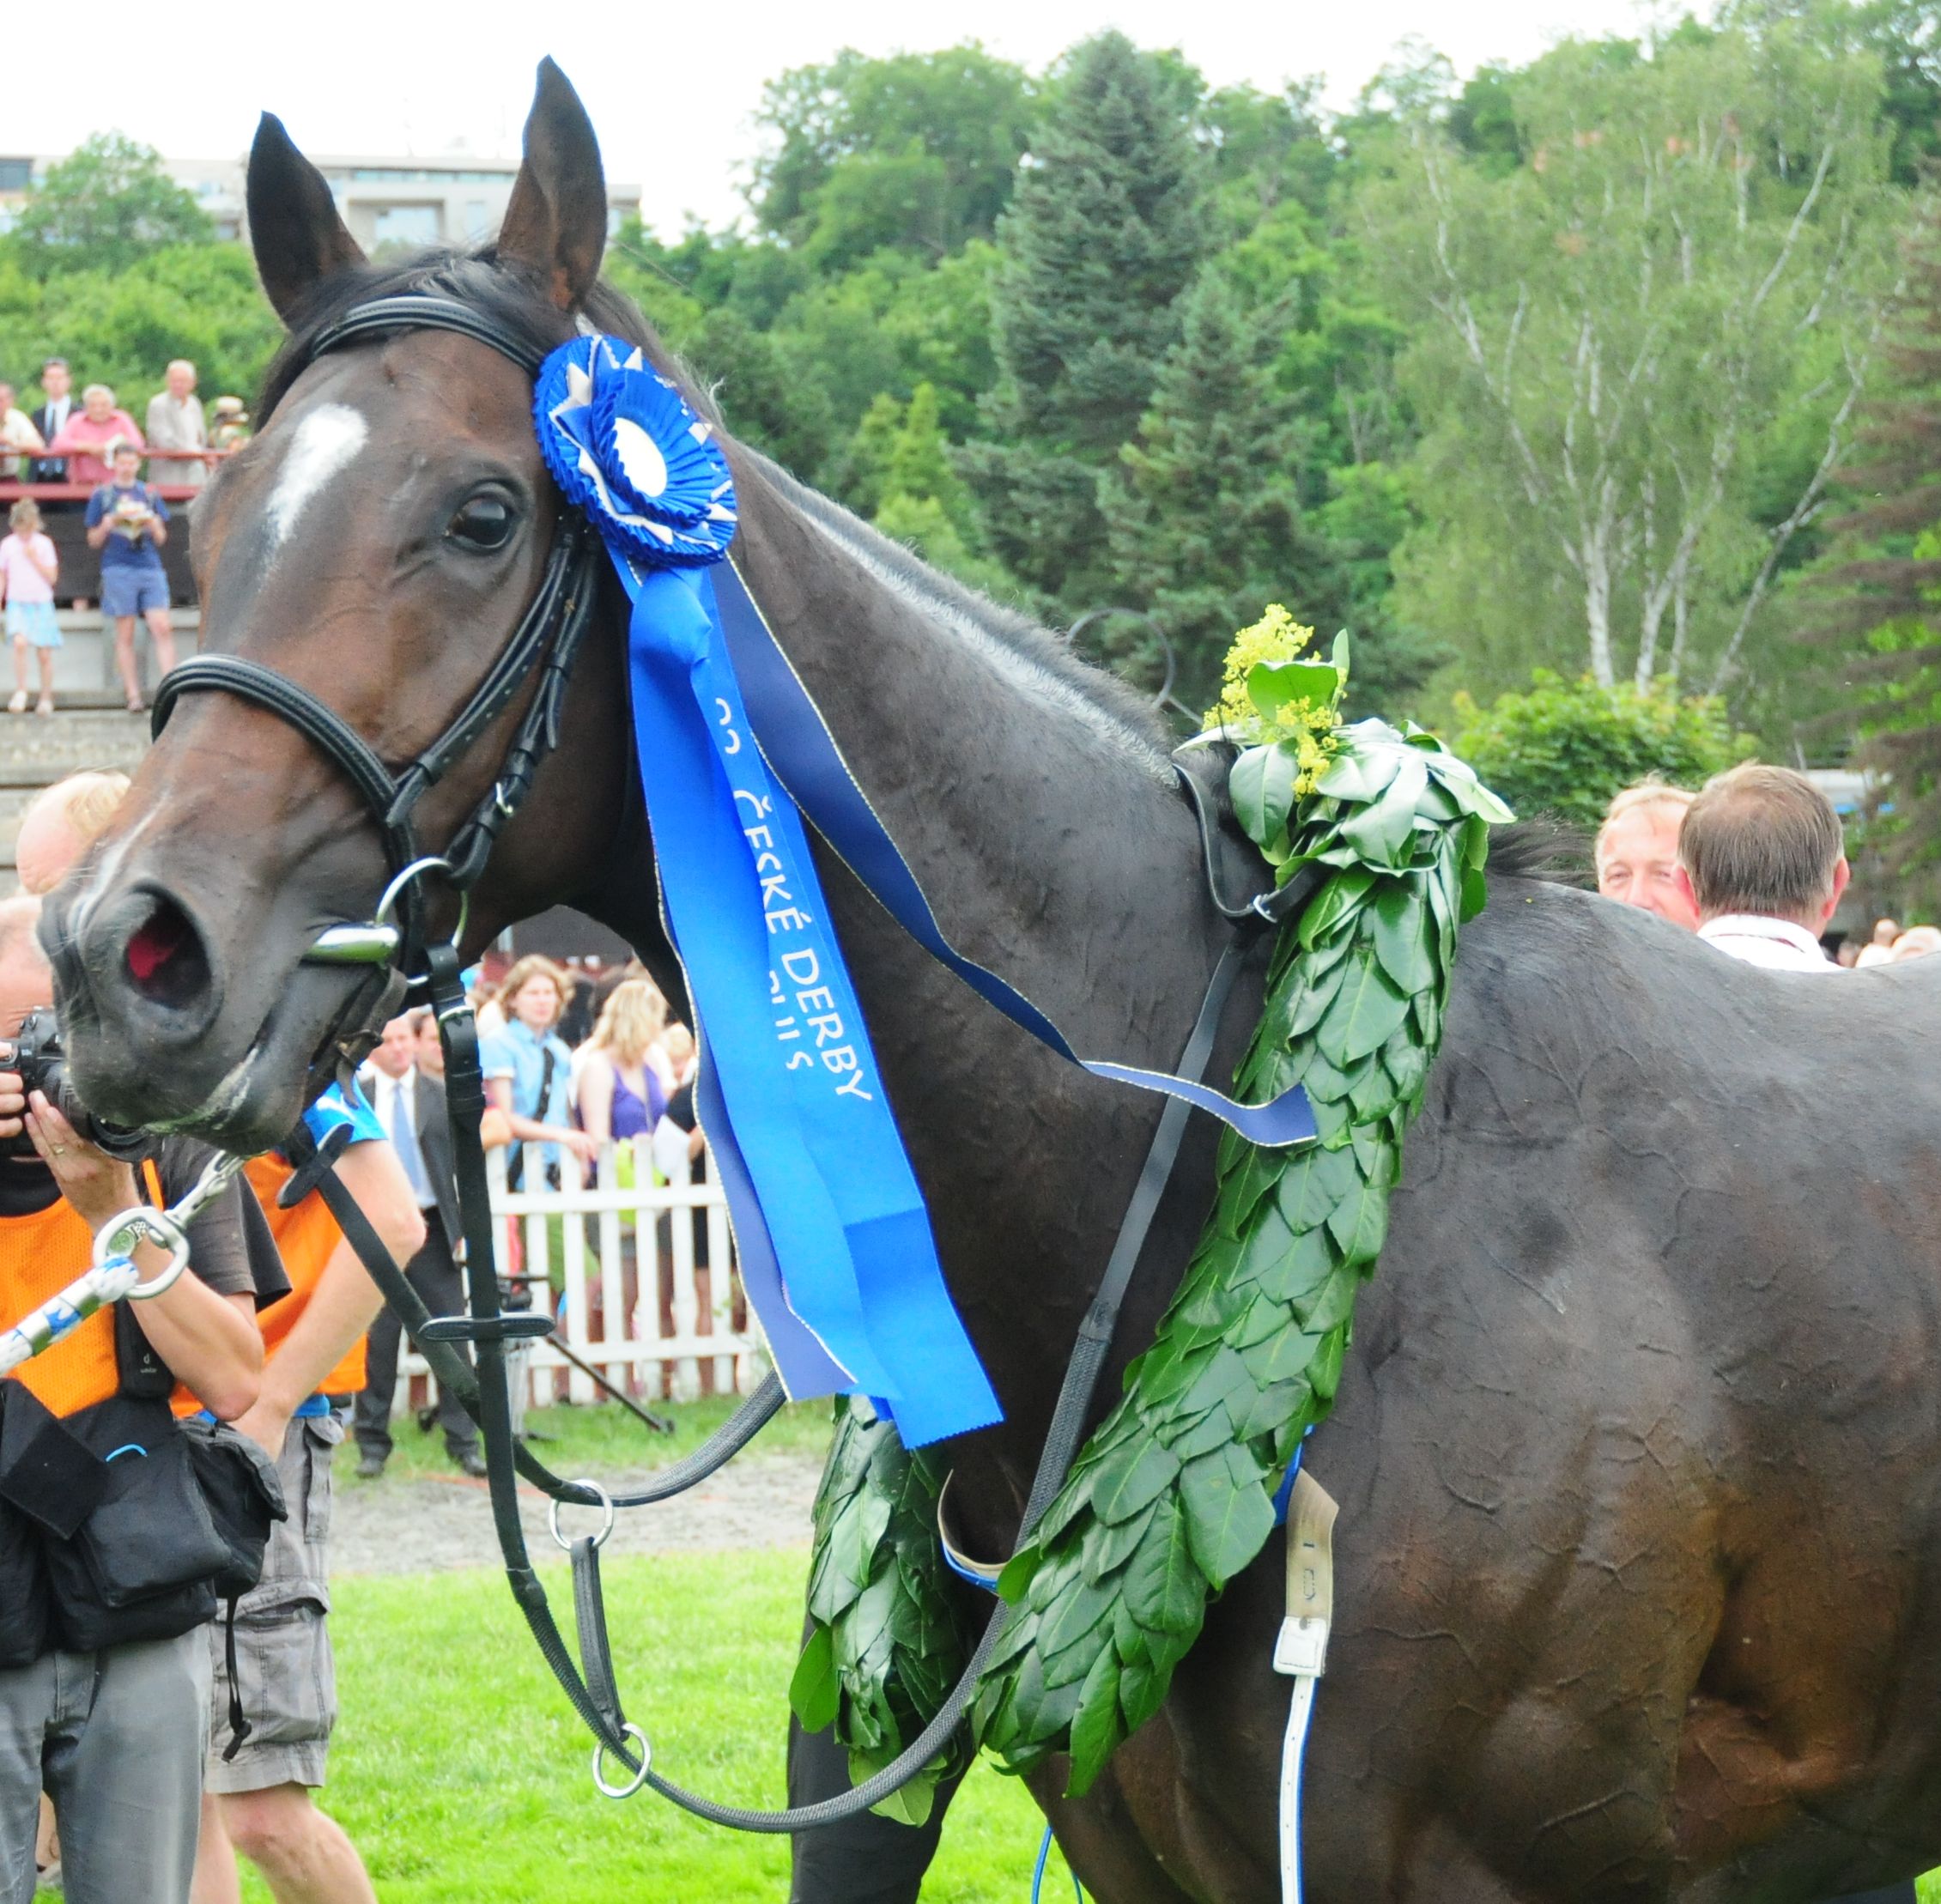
(1541, 848)
(475, 278)
(950, 600)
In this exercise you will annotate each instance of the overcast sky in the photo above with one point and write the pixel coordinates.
(672, 89)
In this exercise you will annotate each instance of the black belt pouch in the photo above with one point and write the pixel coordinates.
(144, 1564)
(243, 1495)
(48, 1481)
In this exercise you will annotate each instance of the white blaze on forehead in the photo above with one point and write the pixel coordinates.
(324, 441)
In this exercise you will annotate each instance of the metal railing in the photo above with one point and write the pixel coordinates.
(637, 1270)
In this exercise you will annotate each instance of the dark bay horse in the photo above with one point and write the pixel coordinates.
(1639, 1556)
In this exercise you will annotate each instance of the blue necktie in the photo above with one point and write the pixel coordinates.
(404, 1141)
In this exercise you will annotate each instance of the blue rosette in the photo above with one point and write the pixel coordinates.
(624, 446)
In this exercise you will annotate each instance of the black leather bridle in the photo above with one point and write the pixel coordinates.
(546, 641)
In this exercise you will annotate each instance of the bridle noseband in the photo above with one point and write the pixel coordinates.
(547, 639)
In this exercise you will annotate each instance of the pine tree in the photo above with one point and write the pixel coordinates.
(919, 458)
(922, 501)
(1877, 612)
(1205, 524)
(1102, 235)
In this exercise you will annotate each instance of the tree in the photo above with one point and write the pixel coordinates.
(761, 401)
(897, 471)
(107, 207)
(1564, 748)
(1874, 609)
(1619, 339)
(1102, 235)
(1206, 525)
(915, 151)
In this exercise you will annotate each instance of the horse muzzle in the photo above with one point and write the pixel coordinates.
(162, 1032)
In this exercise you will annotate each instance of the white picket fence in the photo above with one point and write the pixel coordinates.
(599, 1255)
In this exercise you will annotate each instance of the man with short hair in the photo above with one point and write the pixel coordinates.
(61, 821)
(1761, 859)
(92, 1693)
(1763, 863)
(57, 409)
(50, 420)
(176, 422)
(411, 1105)
(1637, 851)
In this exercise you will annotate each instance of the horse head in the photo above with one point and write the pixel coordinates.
(377, 545)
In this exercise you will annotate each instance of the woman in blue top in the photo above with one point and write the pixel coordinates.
(529, 1070)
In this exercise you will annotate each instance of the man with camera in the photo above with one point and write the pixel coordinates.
(108, 1551)
(259, 1786)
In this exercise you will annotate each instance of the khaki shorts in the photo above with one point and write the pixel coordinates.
(283, 1662)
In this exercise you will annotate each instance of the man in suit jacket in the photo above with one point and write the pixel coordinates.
(50, 420)
(411, 1107)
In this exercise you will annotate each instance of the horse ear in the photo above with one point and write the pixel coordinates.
(293, 225)
(555, 224)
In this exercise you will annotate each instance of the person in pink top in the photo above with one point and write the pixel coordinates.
(28, 566)
(88, 440)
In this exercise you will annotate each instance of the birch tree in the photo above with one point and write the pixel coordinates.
(1638, 354)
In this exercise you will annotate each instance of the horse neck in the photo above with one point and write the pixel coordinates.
(1054, 847)
(1045, 826)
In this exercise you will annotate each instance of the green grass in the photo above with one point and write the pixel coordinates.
(461, 1772)
(607, 1439)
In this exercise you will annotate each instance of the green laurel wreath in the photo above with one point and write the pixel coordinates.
(1173, 1494)
(887, 1638)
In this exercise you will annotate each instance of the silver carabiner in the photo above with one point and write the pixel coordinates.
(119, 1238)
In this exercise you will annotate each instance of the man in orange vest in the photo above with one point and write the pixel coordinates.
(104, 1661)
(258, 1791)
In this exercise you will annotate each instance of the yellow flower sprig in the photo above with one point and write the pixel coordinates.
(1262, 701)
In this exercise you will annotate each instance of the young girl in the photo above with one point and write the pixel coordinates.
(28, 566)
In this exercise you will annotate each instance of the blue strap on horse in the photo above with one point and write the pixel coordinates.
(835, 1243)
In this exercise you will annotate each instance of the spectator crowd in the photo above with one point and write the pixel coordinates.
(96, 445)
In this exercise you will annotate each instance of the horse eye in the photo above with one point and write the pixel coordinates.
(485, 523)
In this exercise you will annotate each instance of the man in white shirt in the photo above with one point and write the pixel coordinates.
(176, 422)
(412, 1110)
(1763, 860)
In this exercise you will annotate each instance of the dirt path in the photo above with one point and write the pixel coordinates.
(404, 1525)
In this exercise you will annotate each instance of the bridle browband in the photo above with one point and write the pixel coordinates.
(547, 641)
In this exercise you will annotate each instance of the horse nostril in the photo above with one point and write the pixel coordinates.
(165, 958)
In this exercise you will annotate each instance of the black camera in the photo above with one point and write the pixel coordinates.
(35, 1052)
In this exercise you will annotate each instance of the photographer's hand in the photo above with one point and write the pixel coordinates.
(96, 1185)
(266, 1423)
(13, 1104)
(211, 1341)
